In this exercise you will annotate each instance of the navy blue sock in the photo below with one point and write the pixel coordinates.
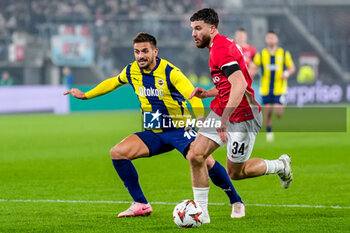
(268, 129)
(219, 177)
(129, 176)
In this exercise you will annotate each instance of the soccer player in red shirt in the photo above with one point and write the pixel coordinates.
(235, 107)
(249, 51)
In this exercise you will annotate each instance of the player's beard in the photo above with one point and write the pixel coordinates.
(147, 64)
(204, 42)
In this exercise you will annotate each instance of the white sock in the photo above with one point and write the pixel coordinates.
(201, 197)
(273, 166)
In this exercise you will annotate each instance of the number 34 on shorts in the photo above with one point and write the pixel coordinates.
(237, 148)
(239, 151)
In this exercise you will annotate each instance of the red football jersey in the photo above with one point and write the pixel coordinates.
(224, 52)
(249, 53)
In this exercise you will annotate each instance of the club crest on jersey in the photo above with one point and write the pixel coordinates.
(143, 91)
(160, 82)
(216, 79)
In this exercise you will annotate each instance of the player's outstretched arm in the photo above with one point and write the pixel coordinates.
(104, 87)
(198, 92)
(76, 93)
(202, 93)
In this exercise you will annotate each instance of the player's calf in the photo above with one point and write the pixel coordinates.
(210, 161)
(236, 175)
(236, 172)
(251, 168)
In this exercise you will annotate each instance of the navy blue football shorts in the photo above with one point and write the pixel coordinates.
(159, 143)
(273, 99)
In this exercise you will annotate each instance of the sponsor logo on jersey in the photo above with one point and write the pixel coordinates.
(273, 67)
(151, 92)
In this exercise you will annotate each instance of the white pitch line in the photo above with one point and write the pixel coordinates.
(172, 203)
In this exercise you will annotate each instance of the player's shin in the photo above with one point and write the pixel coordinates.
(200, 185)
(129, 176)
(201, 197)
(220, 178)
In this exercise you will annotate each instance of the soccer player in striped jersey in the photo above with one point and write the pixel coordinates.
(276, 65)
(162, 90)
(235, 106)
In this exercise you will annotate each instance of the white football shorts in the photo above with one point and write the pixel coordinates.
(240, 136)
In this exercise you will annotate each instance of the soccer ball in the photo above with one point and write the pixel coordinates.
(188, 214)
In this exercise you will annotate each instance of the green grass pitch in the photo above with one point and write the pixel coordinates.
(66, 157)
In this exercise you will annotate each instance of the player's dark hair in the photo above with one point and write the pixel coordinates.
(272, 32)
(145, 37)
(241, 29)
(208, 15)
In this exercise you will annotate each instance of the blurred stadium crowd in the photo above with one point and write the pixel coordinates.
(26, 15)
(28, 26)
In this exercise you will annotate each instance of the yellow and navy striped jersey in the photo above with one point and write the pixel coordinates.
(271, 68)
(165, 89)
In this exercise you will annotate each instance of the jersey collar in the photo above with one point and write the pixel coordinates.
(212, 43)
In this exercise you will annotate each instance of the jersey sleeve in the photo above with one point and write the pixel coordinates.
(108, 85)
(185, 87)
(224, 57)
(257, 59)
(288, 59)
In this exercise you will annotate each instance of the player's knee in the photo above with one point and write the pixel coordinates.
(235, 174)
(118, 152)
(195, 158)
(278, 111)
(278, 114)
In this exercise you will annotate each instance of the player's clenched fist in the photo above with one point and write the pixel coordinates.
(76, 93)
